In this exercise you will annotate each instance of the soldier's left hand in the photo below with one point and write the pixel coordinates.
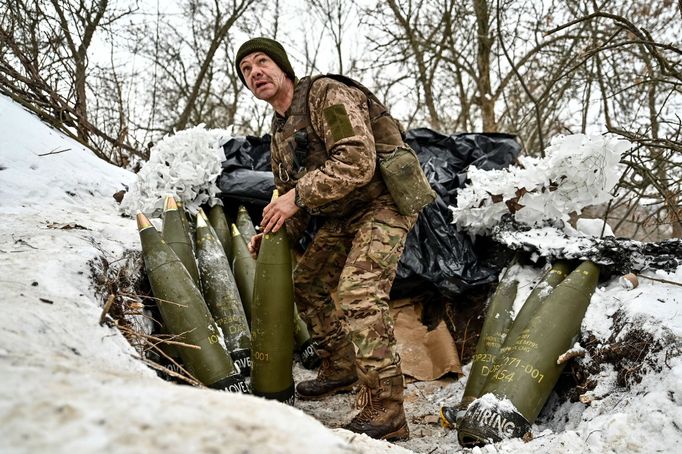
(279, 211)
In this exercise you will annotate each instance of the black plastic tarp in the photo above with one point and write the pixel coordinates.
(436, 254)
(247, 175)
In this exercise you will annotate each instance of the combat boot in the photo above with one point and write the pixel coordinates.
(337, 374)
(381, 399)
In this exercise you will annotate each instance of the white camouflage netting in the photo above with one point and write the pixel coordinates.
(578, 171)
(184, 165)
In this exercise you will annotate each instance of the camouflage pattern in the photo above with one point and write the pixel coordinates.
(340, 174)
(357, 255)
(356, 252)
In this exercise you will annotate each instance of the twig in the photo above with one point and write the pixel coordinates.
(570, 355)
(187, 376)
(606, 215)
(464, 340)
(139, 296)
(165, 370)
(145, 339)
(110, 301)
(159, 300)
(665, 281)
(55, 152)
(157, 340)
(24, 242)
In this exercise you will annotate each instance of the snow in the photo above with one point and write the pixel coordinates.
(68, 384)
(656, 303)
(490, 401)
(593, 227)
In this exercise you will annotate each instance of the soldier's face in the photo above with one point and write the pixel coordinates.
(262, 75)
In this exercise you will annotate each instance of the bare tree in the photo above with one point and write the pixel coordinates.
(335, 16)
(44, 64)
(639, 83)
(511, 66)
(221, 22)
(410, 37)
(193, 53)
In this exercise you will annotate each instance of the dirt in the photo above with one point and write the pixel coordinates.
(423, 401)
(630, 350)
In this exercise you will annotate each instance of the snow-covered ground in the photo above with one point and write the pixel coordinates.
(68, 384)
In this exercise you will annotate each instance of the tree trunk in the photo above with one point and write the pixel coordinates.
(485, 44)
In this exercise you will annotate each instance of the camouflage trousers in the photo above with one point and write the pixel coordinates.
(358, 256)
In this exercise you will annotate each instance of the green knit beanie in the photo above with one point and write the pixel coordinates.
(269, 47)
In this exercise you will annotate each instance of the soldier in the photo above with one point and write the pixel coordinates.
(326, 132)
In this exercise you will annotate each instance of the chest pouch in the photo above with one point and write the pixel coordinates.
(405, 180)
(301, 150)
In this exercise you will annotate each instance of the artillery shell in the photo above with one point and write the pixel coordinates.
(185, 314)
(222, 295)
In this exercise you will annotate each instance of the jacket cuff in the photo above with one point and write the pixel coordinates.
(297, 200)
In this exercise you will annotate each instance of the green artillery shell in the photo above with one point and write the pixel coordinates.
(539, 294)
(245, 224)
(529, 369)
(219, 222)
(304, 343)
(185, 220)
(244, 267)
(185, 314)
(497, 321)
(175, 236)
(272, 320)
(222, 296)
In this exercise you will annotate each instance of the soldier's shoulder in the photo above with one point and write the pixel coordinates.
(323, 86)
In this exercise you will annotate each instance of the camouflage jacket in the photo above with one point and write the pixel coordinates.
(326, 147)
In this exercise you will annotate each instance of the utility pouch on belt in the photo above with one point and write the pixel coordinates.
(405, 180)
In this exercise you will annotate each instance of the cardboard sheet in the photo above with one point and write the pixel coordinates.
(426, 355)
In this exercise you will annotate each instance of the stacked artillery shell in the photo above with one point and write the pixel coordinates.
(245, 224)
(177, 237)
(272, 320)
(549, 281)
(185, 220)
(244, 266)
(222, 296)
(495, 326)
(304, 343)
(185, 314)
(217, 219)
(529, 369)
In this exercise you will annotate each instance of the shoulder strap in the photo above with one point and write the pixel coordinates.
(390, 130)
(354, 83)
(299, 108)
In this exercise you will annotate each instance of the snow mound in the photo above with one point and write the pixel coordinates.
(184, 165)
(578, 171)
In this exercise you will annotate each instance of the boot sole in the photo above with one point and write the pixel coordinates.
(402, 434)
(341, 390)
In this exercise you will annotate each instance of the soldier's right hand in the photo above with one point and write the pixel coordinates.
(254, 244)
